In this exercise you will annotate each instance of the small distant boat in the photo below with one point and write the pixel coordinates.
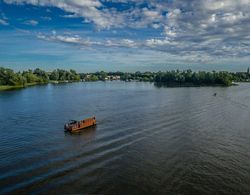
(215, 94)
(74, 125)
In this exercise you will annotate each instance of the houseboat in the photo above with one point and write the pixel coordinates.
(74, 125)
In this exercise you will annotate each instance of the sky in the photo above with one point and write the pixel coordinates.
(125, 35)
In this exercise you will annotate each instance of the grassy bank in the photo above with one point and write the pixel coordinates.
(9, 87)
(12, 87)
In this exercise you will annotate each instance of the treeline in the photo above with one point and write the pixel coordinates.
(186, 77)
(176, 77)
(37, 76)
(195, 78)
(64, 75)
(241, 76)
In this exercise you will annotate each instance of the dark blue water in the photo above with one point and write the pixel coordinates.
(148, 139)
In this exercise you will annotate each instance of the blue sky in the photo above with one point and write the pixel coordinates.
(126, 35)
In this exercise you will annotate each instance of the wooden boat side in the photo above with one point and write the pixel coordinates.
(81, 124)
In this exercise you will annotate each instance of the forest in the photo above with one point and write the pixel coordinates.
(11, 79)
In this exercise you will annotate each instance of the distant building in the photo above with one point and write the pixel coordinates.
(114, 77)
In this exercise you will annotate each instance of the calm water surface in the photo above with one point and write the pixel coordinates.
(148, 139)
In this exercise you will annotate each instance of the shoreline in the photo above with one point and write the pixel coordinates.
(11, 80)
(180, 85)
(157, 84)
(17, 87)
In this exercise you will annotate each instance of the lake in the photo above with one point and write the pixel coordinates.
(147, 140)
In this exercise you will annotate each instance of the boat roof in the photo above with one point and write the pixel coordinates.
(72, 121)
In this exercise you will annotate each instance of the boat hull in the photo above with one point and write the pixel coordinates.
(79, 125)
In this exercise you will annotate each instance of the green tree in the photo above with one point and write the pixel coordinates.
(44, 77)
(54, 76)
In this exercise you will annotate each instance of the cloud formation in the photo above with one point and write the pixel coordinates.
(31, 22)
(77, 40)
(211, 28)
(4, 22)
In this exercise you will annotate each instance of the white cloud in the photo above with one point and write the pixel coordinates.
(87, 9)
(70, 16)
(4, 22)
(215, 28)
(156, 26)
(31, 22)
(157, 42)
(68, 39)
(128, 43)
(77, 40)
